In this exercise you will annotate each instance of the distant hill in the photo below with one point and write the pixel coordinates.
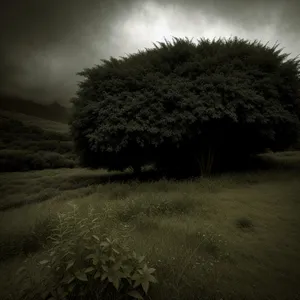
(53, 111)
(29, 120)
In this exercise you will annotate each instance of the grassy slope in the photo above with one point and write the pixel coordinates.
(194, 232)
(33, 143)
(36, 121)
(53, 111)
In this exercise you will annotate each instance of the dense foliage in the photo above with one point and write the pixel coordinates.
(185, 105)
(82, 264)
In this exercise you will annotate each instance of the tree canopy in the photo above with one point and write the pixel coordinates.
(183, 104)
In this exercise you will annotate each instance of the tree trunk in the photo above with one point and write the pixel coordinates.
(207, 160)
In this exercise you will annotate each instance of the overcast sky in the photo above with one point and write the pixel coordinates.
(44, 43)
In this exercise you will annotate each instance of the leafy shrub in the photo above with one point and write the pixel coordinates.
(86, 265)
(22, 160)
(187, 106)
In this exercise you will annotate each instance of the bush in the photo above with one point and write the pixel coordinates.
(23, 160)
(84, 265)
(189, 106)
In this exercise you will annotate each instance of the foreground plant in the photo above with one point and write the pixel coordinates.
(86, 265)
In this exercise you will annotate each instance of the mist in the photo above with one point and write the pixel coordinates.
(45, 43)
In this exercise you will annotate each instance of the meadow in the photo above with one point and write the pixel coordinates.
(231, 236)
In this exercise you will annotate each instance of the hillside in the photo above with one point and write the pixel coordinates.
(31, 143)
(44, 124)
(53, 111)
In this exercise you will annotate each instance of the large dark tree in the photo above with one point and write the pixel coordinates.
(187, 105)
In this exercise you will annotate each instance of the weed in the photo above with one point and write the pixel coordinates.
(86, 265)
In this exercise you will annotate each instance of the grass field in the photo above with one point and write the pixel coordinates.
(235, 236)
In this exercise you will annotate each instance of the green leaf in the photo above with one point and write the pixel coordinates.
(136, 283)
(151, 270)
(81, 276)
(152, 279)
(96, 237)
(127, 269)
(141, 259)
(116, 282)
(144, 278)
(145, 285)
(71, 279)
(97, 275)
(111, 258)
(116, 266)
(89, 247)
(135, 294)
(20, 270)
(43, 262)
(136, 276)
(89, 269)
(90, 256)
(104, 244)
(116, 251)
(104, 276)
(70, 264)
(105, 268)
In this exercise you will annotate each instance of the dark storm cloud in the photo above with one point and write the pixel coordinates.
(44, 43)
(33, 31)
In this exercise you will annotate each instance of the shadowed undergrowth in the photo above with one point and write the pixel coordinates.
(46, 184)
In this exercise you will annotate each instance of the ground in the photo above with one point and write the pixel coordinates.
(235, 236)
